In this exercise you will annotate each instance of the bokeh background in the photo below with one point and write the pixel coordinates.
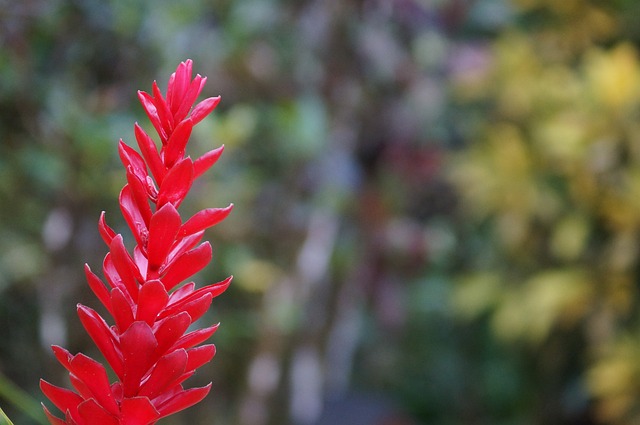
(437, 202)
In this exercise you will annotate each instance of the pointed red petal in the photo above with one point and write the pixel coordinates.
(166, 371)
(141, 262)
(63, 356)
(176, 183)
(196, 337)
(62, 398)
(190, 97)
(184, 245)
(216, 289)
(206, 161)
(166, 395)
(80, 387)
(70, 420)
(204, 219)
(198, 306)
(138, 187)
(106, 232)
(93, 414)
(94, 376)
(176, 145)
(132, 159)
(179, 85)
(178, 304)
(184, 377)
(122, 310)
(166, 117)
(183, 400)
(110, 273)
(138, 345)
(98, 287)
(152, 112)
(138, 411)
(52, 419)
(116, 390)
(102, 336)
(152, 190)
(151, 300)
(125, 266)
(132, 215)
(170, 92)
(199, 356)
(163, 229)
(186, 265)
(204, 108)
(182, 292)
(170, 331)
(150, 153)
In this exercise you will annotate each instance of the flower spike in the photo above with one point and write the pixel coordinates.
(147, 345)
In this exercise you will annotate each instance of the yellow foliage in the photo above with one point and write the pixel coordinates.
(498, 176)
(476, 294)
(257, 275)
(577, 21)
(236, 126)
(555, 175)
(547, 299)
(614, 380)
(517, 66)
(569, 237)
(562, 137)
(614, 76)
(619, 290)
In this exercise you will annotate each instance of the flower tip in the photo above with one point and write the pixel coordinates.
(225, 284)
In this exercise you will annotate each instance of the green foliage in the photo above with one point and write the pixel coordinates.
(5, 420)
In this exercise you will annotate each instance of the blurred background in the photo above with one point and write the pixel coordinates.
(437, 202)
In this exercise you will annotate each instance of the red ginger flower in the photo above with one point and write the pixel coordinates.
(148, 348)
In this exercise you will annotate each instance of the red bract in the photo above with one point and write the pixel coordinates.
(148, 346)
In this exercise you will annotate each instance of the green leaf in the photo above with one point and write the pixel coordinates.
(4, 420)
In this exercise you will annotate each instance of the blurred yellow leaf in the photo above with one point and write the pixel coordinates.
(548, 298)
(236, 126)
(614, 76)
(569, 237)
(257, 275)
(613, 379)
(562, 136)
(475, 294)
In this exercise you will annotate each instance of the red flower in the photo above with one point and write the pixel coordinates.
(148, 347)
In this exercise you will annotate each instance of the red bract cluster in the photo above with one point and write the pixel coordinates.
(148, 346)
